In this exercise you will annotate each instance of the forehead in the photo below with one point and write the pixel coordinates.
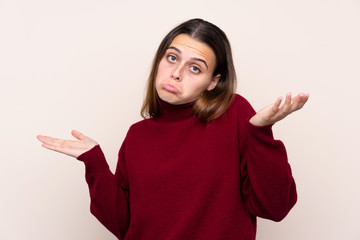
(194, 48)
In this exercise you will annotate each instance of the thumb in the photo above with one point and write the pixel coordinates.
(77, 135)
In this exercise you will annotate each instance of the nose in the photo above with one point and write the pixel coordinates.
(176, 75)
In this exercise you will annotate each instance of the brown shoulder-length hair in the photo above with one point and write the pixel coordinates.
(211, 104)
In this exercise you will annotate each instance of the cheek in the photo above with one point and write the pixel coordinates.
(162, 68)
(199, 85)
(157, 84)
(159, 73)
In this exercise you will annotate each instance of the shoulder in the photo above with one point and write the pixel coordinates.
(241, 105)
(139, 127)
(238, 112)
(238, 99)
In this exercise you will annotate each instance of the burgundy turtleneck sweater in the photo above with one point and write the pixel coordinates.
(180, 179)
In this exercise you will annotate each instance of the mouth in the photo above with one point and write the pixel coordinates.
(170, 88)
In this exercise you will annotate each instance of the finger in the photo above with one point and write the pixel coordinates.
(58, 149)
(40, 137)
(296, 103)
(78, 135)
(305, 97)
(276, 105)
(50, 140)
(51, 147)
(287, 104)
(299, 101)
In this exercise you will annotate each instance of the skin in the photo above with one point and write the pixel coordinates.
(68, 147)
(279, 110)
(185, 71)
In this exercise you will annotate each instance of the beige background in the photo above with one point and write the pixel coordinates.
(83, 64)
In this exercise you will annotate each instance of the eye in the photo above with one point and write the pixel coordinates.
(195, 69)
(171, 58)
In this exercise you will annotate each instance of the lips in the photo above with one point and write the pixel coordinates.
(170, 88)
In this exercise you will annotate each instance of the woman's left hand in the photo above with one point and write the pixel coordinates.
(277, 111)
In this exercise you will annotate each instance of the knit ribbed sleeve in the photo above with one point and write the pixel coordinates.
(268, 187)
(109, 201)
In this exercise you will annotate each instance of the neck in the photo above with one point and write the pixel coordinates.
(173, 113)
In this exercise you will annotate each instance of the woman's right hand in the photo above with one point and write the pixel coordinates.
(68, 147)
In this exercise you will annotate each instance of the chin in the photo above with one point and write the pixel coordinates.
(169, 97)
(172, 101)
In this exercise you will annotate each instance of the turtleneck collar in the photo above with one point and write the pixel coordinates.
(173, 113)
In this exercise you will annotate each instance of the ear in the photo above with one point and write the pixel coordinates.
(214, 82)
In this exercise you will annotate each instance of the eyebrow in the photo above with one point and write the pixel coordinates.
(194, 58)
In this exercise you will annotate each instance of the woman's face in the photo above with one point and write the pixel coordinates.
(185, 71)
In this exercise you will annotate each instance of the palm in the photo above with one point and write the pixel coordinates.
(277, 111)
(72, 148)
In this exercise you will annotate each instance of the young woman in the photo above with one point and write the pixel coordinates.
(202, 164)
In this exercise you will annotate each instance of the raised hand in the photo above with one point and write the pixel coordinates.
(277, 111)
(68, 147)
